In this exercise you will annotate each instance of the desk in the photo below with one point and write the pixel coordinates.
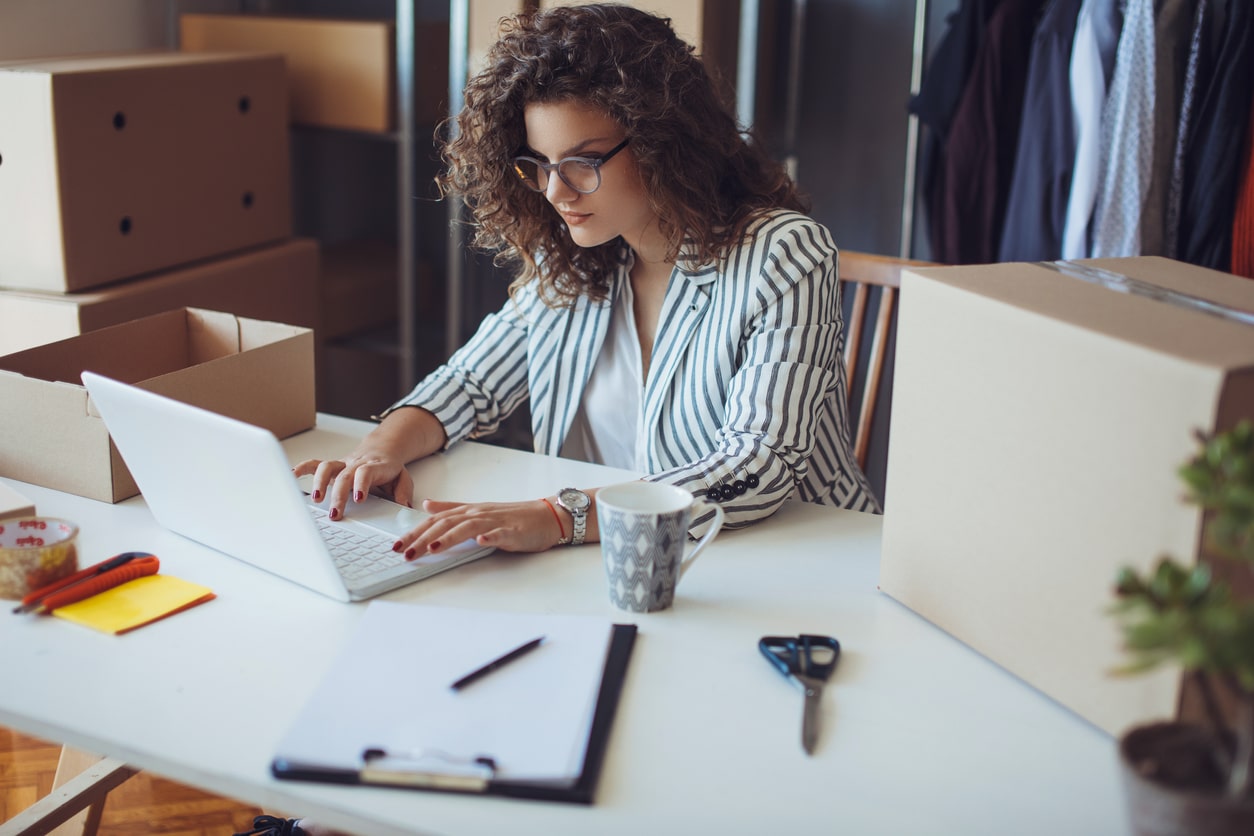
(921, 734)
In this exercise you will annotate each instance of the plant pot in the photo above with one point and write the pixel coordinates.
(1172, 788)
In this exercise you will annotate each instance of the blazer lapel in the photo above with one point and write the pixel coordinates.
(687, 300)
(561, 363)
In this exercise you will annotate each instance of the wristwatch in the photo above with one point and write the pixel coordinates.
(576, 503)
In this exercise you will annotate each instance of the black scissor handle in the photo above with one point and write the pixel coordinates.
(804, 655)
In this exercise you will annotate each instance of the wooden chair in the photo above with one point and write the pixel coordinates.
(79, 790)
(859, 273)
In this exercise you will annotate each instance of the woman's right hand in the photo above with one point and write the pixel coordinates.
(365, 470)
(378, 463)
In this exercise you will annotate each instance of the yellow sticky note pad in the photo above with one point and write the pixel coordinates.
(135, 603)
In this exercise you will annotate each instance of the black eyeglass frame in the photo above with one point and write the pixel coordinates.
(549, 168)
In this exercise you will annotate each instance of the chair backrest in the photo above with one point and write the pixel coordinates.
(859, 273)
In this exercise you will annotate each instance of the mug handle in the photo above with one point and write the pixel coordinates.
(699, 506)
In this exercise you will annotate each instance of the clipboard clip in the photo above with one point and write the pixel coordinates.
(427, 768)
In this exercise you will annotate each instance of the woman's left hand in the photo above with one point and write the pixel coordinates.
(509, 526)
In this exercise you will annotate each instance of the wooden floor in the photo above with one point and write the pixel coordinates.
(143, 805)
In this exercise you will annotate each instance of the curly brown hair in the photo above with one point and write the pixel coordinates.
(704, 179)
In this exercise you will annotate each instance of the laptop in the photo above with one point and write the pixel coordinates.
(228, 485)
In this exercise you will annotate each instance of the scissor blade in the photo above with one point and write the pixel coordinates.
(810, 716)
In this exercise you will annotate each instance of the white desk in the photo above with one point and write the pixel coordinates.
(921, 735)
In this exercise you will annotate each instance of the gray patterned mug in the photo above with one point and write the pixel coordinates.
(644, 529)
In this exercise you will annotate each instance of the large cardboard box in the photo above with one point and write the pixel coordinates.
(14, 504)
(276, 283)
(484, 28)
(342, 73)
(1038, 421)
(51, 434)
(116, 165)
(711, 26)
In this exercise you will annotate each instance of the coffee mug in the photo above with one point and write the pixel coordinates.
(644, 530)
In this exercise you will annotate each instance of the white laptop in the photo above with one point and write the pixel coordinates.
(229, 485)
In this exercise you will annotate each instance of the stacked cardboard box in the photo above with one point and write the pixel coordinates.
(136, 183)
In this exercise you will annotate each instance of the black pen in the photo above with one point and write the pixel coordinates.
(496, 663)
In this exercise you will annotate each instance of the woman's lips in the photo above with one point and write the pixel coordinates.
(574, 218)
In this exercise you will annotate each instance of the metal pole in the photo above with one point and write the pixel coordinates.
(906, 245)
(792, 117)
(405, 234)
(747, 64)
(458, 47)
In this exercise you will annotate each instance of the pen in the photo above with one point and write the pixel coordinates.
(496, 663)
(90, 581)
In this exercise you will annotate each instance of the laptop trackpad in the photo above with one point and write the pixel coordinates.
(374, 511)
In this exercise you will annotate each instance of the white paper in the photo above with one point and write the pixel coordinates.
(390, 689)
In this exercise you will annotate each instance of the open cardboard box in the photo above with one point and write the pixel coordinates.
(50, 432)
(1039, 415)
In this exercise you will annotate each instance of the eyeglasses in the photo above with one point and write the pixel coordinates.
(583, 174)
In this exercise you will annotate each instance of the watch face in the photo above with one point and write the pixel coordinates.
(573, 499)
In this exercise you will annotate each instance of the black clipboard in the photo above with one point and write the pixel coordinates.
(477, 776)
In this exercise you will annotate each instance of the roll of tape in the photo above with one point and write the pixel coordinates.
(34, 552)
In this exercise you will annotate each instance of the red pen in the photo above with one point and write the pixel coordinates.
(90, 581)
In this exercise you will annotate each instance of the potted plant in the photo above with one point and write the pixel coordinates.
(1198, 779)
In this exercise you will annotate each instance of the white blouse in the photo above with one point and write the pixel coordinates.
(609, 426)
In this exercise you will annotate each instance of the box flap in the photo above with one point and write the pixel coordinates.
(130, 352)
(1154, 324)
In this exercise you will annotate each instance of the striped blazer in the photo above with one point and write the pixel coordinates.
(745, 397)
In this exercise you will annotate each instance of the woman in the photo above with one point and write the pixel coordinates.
(674, 313)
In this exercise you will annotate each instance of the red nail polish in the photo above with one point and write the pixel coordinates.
(397, 546)
(434, 546)
(335, 513)
(410, 554)
(358, 496)
(317, 496)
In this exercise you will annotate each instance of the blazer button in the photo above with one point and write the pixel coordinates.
(728, 492)
(740, 486)
(752, 480)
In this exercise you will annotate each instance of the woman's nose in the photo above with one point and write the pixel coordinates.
(557, 191)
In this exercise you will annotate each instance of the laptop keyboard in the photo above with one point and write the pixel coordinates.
(357, 553)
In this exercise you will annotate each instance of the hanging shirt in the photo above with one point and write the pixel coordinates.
(1196, 69)
(1092, 65)
(939, 93)
(1127, 137)
(979, 157)
(1171, 55)
(1213, 158)
(608, 426)
(1037, 206)
(1243, 218)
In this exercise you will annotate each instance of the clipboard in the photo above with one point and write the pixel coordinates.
(574, 711)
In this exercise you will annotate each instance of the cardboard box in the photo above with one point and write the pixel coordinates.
(359, 287)
(51, 435)
(484, 28)
(342, 73)
(119, 165)
(276, 283)
(711, 26)
(360, 375)
(1038, 421)
(13, 504)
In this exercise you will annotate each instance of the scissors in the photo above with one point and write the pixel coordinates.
(809, 661)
